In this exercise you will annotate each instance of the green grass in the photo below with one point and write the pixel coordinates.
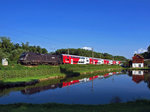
(28, 79)
(89, 68)
(137, 106)
(18, 73)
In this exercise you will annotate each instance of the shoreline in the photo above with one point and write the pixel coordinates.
(53, 72)
(23, 84)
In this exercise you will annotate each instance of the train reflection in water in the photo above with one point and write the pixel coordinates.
(137, 76)
(65, 84)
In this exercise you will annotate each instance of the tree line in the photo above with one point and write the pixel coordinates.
(89, 53)
(12, 51)
(146, 55)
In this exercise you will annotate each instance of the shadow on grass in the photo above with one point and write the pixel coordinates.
(69, 73)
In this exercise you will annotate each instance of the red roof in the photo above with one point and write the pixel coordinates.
(137, 59)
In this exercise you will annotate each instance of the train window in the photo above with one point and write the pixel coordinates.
(81, 61)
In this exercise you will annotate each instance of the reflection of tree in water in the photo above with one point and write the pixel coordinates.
(115, 99)
(130, 73)
(147, 78)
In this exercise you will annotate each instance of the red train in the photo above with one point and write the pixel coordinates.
(30, 58)
(74, 59)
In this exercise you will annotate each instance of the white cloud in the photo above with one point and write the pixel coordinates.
(87, 48)
(141, 50)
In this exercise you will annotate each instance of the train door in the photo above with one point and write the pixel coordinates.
(71, 61)
(87, 60)
(93, 62)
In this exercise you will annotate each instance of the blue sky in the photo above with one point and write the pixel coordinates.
(118, 27)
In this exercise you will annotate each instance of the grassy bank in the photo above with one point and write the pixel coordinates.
(137, 106)
(19, 73)
(6, 90)
(89, 68)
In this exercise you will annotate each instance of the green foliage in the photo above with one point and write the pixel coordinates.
(148, 49)
(88, 53)
(146, 55)
(147, 63)
(136, 106)
(13, 51)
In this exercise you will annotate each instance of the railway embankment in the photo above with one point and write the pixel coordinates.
(23, 75)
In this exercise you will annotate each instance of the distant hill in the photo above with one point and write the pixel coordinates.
(88, 53)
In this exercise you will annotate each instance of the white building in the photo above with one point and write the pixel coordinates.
(137, 61)
(4, 62)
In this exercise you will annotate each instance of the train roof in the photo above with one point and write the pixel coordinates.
(32, 53)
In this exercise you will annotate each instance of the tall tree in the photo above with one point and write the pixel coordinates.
(12, 51)
(148, 49)
(6, 44)
(146, 55)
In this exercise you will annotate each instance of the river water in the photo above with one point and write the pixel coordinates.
(97, 89)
